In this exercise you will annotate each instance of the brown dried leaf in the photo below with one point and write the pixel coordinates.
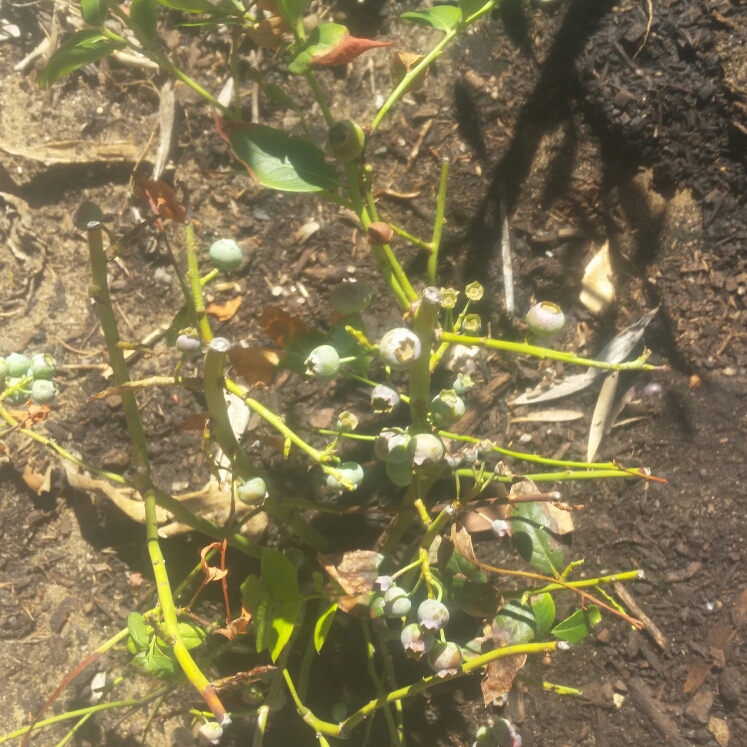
(211, 573)
(355, 573)
(463, 543)
(236, 628)
(225, 311)
(268, 33)
(499, 676)
(256, 365)
(281, 327)
(195, 423)
(161, 198)
(253, 675)
(39, 483)
(402, 63)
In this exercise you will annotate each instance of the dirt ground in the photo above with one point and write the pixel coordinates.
(587, 127)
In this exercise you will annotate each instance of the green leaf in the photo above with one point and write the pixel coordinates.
(279, 576)
(191, 6)
(281, 161)
(160, 663)
(576, 627)
(324, 623)
(318, 582)
(543, 607)
(476, 599)
(184, 318)
(144, 17)
(137, 630)
(191, 635)
(253, 594)
(282, 625)
(322, 40)
(470, 7)
(94, 11)
(81, 49)
(291, 10)
(532, 538)
(514, 624)
(441, 17)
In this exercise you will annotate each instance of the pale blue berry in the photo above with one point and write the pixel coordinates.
(447, 408)
(226, 255)
(42, 366)
(445, 658)
(545, 319)
(416, 641)
(43, 391)
(400, 349)
(18, 364)
(499, 528)
(433, 614)
(505, 734)
(426, 449)
(19, 396)
(384, 399)
(351, 471)
(188, 345)
(351, 297)
(252, 491)
(323, 363)
(462, 384)
(396, 603)
(484, 737)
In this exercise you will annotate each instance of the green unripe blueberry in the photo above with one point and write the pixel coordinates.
(462, 384)
(3, 368)
(396, 603)
(400, 473)
(20, 395)
(210, 733)
(433, 614)
(400, 348)
(445, 658)
(351, 471)
(345, 140)
(398, 449)
(226, 255)
(484, 737)
(43, 391)
(252, 491)
(377, 607)
(43, 366)
(384, 399)
(339, 713)
(18, 364)
(416, 641)
(182, 737)
(323, 363)
(381, 445)
(505, 734)
(447, 408)
(351, 296)
(426, 449)
(545, 319)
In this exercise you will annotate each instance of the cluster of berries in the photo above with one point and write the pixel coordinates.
(419, 638)
(26, 378)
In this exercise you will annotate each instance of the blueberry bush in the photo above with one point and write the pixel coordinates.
(405, 588)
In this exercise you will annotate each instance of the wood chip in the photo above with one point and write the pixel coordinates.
(627, 599)
(654, 711)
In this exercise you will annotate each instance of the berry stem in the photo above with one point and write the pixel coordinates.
(439, 222)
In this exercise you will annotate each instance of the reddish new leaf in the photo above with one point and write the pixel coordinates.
(161, 198)
(347, 49)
